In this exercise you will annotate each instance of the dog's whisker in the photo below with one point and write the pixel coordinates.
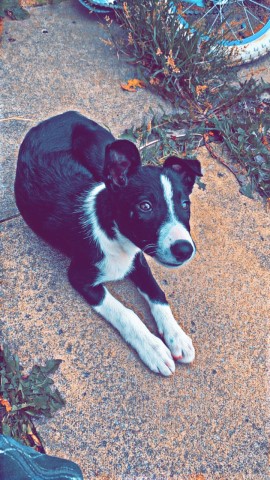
(150, 249)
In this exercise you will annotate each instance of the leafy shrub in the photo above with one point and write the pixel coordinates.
(194, 75)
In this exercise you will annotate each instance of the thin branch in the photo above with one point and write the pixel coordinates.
(22, 119)
(216, 156)
(149, 144)
(10, 218)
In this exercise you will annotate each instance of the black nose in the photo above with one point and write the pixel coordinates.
(182, 250)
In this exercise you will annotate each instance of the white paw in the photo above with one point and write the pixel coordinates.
(179, 344)
(151, 349)
(156, 355)
(175, 338)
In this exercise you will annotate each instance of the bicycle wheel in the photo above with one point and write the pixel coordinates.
(101, 6)
(243, 26)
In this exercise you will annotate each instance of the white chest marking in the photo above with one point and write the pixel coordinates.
(118, 253)
(118, 260)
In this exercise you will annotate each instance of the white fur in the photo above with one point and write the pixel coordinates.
(176, 339)
(151, 349)
(118, 260)
(118, 253)
(89, 209)
(172, 230)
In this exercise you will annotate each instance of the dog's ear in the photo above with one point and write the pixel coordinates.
(188, 169)
(122, 158)
(183, 164)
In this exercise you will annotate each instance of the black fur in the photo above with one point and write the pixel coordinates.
(61, 161)
(62, 158)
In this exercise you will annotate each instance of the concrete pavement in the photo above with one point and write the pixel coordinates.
(209, 420)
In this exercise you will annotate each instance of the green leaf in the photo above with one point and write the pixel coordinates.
(240, 130)
(22, 406)
(5, 430)
(247, 190)
(51, 366)
(201, 185)
(129, 134)
(29, 396)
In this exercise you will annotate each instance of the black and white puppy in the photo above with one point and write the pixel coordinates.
(87, 194)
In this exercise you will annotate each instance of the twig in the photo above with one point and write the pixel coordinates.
(17, 118)
(216, 156)
(149, 144)
(199, 144)
(10, 218)
(192, 104)
(179, 135)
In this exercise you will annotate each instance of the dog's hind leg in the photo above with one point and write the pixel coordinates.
(175, 338)
(151, 349)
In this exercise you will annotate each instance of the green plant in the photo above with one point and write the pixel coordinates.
(169, 57)
(211, 103)
(23, 397)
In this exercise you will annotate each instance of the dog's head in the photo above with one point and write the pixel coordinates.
(152, 206)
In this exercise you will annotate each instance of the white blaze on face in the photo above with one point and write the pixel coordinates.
(172, 230)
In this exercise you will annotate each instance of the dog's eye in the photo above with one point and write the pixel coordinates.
(185, 204)
(145, 206)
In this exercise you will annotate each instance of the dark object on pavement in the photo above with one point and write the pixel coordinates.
(18, 462)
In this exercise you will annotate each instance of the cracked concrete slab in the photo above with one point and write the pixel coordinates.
(209, 420)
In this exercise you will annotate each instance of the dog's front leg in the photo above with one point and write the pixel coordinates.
(151, 349)
(175, 338)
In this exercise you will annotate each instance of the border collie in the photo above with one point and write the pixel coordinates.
(87, 194)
